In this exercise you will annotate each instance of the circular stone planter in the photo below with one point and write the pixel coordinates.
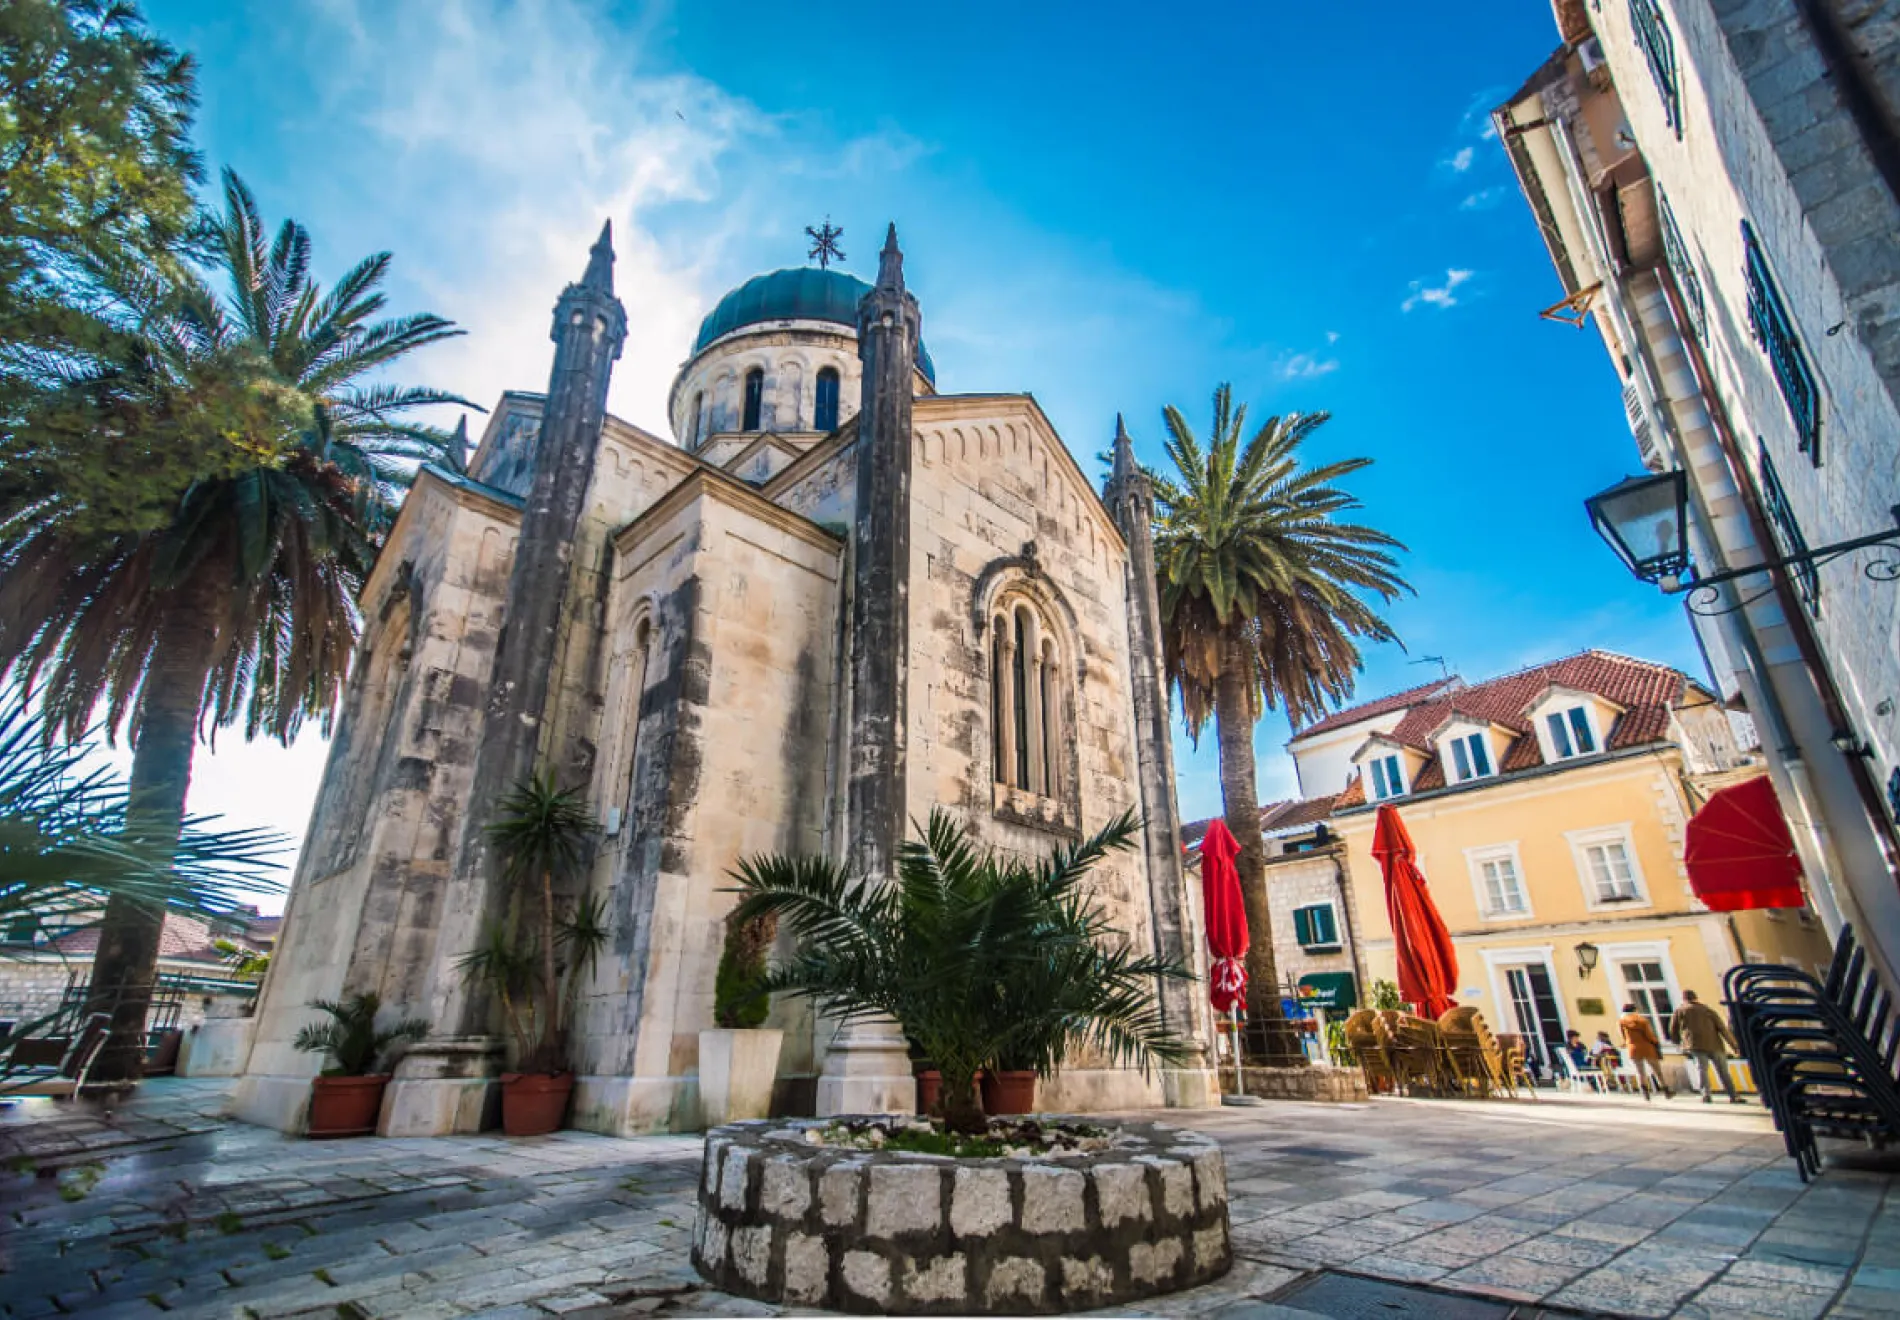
(785, 1220)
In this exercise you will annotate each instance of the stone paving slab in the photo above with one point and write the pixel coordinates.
(159, 1206)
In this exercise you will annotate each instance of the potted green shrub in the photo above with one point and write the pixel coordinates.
(738, 1059)
(347, 1097)
(535, 961)
(981, 959)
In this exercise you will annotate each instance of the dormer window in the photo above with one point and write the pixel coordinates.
(1387, 780)
(1470, 758)
(1570, 732)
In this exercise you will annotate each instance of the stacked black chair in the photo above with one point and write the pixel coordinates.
(1823, 1051)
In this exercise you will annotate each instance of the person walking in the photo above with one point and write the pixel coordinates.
(1704, 1035)
(1645, 1050)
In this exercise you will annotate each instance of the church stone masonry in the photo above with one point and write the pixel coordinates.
(836, 600)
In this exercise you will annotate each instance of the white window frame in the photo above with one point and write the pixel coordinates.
(1497, 959)
(1580, 840)
(1563, 713)
(1562, 703)
(1448, 756)
(1475, 858)
(1339, 940)
(1372, 793)
(1613, 956)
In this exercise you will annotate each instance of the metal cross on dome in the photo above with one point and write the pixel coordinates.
(824, 243)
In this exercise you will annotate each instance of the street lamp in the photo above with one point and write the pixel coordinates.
(1586, 960)
(1645, 521)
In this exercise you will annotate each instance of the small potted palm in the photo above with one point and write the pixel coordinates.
(543, 836)
(738, 1059)
(347, 1097)
(982, 960)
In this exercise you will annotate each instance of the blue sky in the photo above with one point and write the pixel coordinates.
(1112, 210)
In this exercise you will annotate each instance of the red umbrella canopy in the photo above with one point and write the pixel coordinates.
(1226, 917)
(1739, 853)
(1428, 965)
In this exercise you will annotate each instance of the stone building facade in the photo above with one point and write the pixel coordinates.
(1719, 188)
(834, 600)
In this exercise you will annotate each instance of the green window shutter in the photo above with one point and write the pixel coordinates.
(1303, 926)
(1325, 931)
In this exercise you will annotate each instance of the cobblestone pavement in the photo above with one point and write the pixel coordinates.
(1570, 1205)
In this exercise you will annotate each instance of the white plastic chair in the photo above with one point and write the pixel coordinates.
(1579, 1079)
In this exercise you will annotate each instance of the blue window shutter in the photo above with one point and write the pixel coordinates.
(1303, 926)
(1326, 931)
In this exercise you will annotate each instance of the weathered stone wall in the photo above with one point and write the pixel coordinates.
(1301, 880)
(720, 732)
(990, 478)
(791, 359)
(908, 1234)
(1766, 139)
(365, 902)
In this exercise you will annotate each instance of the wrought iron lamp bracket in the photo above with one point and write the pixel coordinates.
(1705, 596)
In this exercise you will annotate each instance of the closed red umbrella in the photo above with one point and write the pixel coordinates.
(1428, 965)
(1226, 918)
(1739, 853)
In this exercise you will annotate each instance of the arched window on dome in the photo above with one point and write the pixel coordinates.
(1025, 701)
(825, 411)
(754, 399)
(699, 420)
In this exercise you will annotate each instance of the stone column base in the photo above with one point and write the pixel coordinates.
(442, 1087)
(1316, 1082)
(1190, 1088)
(271, 1101)
(635, 1106)
(216, 1047)
(867, 1071)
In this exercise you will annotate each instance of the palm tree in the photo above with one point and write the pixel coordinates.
(1259, 586)
(544, 835)
(350, 1038)
(240, 602)
(985, 962)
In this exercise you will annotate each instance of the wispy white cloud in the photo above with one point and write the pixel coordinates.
(1332, 336)
(1460, 160)
(1424, 293)
(1306, 366)
(1484, 199)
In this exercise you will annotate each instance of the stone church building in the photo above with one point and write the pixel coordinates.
(835, 599)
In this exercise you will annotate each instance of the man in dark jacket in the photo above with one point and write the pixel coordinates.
(1705, 1037)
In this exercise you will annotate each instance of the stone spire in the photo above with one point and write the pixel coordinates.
(867, 1069)
(588, 330)
(1129, 496)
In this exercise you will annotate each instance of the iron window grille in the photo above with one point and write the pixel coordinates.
(1807, 575)
(1676, 253)
(1773, 328)
(1659, 49)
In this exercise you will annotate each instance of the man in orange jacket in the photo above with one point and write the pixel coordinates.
(1645, 1050)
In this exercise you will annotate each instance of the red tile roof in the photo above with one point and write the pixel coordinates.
(180, 939)
(1646, 691)
(1273, 816)
(1383, 706)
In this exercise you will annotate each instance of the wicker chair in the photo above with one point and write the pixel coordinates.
(1368, 1047)
(1476, 1060)
(1416, 1048)
(1513, 1048)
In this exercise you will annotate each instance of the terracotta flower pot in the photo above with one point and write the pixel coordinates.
(345, 1106)
(534, 1104)
(929, 1091)
(1009, 1092)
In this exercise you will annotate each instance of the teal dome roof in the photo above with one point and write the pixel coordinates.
(806, 293)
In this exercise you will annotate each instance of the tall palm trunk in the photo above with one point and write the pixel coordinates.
(125, 969)
(1240, 799)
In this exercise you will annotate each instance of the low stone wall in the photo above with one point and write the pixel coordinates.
(894, 1232)
(1314, 1082)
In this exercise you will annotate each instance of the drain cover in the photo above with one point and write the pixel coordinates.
(1353, 1298)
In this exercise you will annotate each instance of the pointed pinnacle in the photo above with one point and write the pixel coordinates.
(890, 262)
(1124, 451)
(600, 261)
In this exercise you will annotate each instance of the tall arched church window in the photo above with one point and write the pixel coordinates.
(825, 411)
(699, 419)
(754, 399)
(1026, 708)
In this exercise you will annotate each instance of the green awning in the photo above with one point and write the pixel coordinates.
(1332, 991)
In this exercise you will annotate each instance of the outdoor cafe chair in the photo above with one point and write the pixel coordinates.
(1580, 1079)
(67, 1077)
(1369, 1048)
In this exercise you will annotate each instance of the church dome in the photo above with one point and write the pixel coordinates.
(806, 293)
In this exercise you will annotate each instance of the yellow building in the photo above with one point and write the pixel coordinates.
(1549, 808)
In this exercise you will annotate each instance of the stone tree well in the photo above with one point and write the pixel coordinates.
(784, 1216)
